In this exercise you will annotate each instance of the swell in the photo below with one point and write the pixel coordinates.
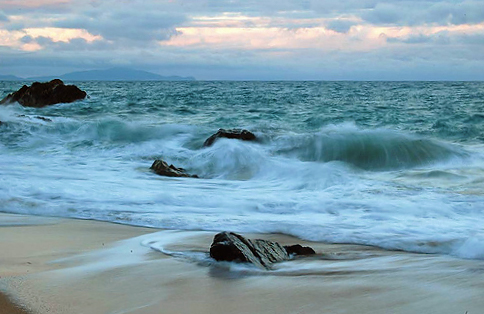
(368, 149)
(24, 129)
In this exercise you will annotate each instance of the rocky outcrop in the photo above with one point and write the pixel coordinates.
(44, 94)
(163, 169)
(239, 134)
(229, 246)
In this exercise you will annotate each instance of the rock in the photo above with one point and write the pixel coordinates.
(161, 167)
(43, 118)
(232, 133)
(36, 117)
(229, 246)
(43, 94)
(298, 249)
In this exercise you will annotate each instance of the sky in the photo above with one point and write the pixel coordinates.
(247, 39)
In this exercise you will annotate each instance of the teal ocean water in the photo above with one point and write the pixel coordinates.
(398, 165)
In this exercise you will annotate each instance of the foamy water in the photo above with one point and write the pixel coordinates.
(395, 165)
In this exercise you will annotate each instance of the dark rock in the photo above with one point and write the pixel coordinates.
(36, 117)
(43, 118)
(232, 133)
(298, 249)
(160, 167)
(43, 94)
(229, 246)
(226, 247)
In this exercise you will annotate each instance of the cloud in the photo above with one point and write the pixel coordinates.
(471, 39)
(137, 21)
(340, 25)
(411, 13)
(385, 13)
(3, 17)
(38, 6)
(27, 39)
(244, 39)
(124, 24)
(441, 38)
(399, 62)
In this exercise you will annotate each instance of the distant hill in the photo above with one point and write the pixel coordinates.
(10, 78)
(114, 74)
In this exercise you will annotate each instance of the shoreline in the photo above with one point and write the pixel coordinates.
(32, 244)
(9, 307)
(57, 265)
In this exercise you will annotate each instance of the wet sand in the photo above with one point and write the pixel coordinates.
(31, 245)
(75, 266)
(7, 307)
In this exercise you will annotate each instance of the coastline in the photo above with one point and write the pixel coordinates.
(59, 265)
(9, 307)
(30, 244)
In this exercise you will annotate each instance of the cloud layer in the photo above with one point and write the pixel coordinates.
(235, 39)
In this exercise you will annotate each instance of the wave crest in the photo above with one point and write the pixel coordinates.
(367, 149)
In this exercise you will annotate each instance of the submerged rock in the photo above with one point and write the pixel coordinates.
(163, 169)
(44, 94)
(36, 117)
(229, 246)
(239, 134)
(43, 118)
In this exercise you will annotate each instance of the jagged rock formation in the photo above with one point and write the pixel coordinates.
(229, 246)
(163, 169)
(243, 135)
(44, 94)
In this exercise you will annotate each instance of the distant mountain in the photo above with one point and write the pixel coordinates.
(10, 78)
(114, 74)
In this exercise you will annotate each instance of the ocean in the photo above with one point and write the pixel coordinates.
(397, 165)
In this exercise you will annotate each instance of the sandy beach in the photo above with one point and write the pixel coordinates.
(51, 265)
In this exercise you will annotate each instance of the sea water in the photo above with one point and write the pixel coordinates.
(398, 165)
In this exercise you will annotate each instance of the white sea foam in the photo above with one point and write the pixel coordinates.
(404, 191)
